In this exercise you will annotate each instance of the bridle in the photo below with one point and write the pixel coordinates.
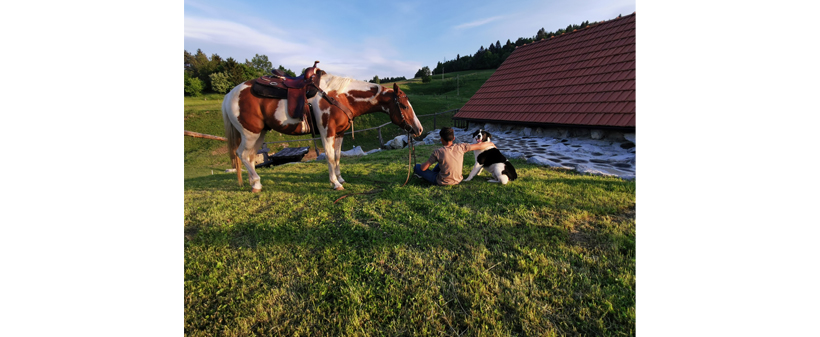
(404, 124)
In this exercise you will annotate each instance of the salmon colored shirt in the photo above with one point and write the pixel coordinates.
(451, 160)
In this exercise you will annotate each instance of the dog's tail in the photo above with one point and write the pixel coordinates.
(509, 170)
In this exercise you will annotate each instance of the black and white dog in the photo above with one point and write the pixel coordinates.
(491, 159)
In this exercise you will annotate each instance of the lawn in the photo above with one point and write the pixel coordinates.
(552, 253)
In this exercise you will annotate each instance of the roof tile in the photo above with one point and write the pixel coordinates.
(586, 77)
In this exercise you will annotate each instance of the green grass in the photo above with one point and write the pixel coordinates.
(552, 253)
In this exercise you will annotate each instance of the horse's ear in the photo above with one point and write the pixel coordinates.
(395, 88)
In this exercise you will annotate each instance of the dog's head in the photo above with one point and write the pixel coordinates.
(481, 136)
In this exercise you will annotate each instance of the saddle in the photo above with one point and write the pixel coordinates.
(295, 89)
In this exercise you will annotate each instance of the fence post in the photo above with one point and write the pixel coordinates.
(381, 142)
(434, 122)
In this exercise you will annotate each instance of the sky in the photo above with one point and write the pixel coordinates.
(362, 39)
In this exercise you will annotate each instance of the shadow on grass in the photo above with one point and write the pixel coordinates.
(297, 208)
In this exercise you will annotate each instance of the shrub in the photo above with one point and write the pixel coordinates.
(193, 86)
(427, 79)
(220, 82)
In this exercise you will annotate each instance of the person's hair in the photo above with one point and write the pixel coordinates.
(447, 134)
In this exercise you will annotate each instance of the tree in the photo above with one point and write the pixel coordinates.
(220, 82)
(235, 71)
(193, 86)
(542, 34)
(287, 71)
(260, 63)
(498, 45)
(375, 80)
(426, 78)
(424, 71)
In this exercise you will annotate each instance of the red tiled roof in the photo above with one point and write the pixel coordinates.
(586, 77)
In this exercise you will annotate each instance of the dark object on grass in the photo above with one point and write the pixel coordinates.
(287, 155)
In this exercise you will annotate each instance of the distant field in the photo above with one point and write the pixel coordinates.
(549, 254)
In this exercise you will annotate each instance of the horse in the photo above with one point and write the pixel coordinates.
(247, 119)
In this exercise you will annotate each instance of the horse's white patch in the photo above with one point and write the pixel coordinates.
(416, 121)
(281, 112)
(232, 102)
(344, 85)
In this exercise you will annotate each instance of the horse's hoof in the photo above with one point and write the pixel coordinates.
(256, 190)
(340, 188)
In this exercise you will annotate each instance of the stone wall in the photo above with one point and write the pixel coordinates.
(554, 132)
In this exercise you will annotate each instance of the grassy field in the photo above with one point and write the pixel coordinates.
(552, 253)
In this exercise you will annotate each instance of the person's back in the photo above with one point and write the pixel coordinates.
(450, 159)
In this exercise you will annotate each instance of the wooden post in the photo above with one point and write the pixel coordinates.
(381, 142)
(434, 122)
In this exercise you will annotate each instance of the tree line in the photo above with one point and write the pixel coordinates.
(213, 74)
(378, 80)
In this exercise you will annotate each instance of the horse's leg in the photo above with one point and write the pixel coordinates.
(247, 153)
(338, 149)
(330, 151)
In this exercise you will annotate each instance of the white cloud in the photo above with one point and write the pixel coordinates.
(361, 61)
(235, 34)
(478, 22)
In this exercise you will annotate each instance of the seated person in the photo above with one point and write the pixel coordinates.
(450, 159)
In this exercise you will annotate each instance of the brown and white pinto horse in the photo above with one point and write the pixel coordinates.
(247, 118)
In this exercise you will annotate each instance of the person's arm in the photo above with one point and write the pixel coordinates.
(426, 165)
(481, 146)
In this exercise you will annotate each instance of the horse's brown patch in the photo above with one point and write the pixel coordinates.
(324, 104)
(362, 94)
(250, 115)
(269, 105)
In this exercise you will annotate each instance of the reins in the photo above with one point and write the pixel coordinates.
(411, 157)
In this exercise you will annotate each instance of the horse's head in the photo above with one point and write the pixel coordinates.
(402, 114)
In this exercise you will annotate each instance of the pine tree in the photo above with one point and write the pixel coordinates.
(542, 33)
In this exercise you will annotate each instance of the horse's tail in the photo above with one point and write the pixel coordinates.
(233, 136)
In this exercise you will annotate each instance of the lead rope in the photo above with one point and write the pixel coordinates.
(411, 156)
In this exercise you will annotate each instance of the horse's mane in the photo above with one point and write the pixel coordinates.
(344, 84)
